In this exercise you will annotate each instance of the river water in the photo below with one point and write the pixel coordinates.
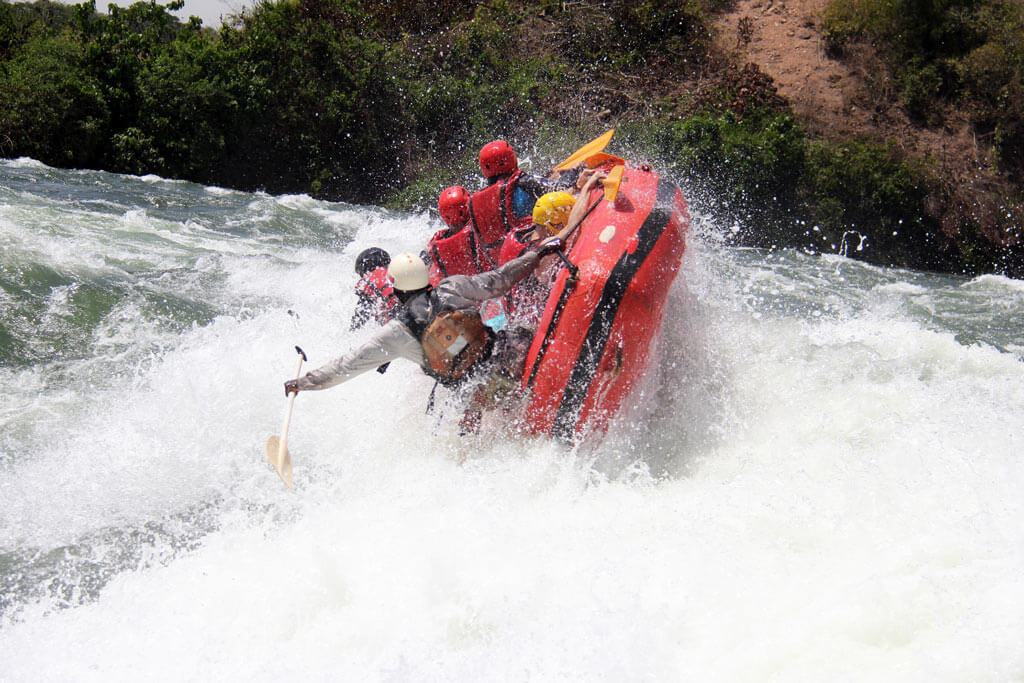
(822, 477)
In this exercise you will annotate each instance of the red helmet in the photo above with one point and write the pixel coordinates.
(497, 158)
(453, 205)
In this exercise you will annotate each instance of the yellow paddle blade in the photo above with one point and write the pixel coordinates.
(280, 459)
(612, 182)
(593, 147)
(602, 158)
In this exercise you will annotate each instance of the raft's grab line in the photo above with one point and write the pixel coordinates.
(570, 287)
(601, 323)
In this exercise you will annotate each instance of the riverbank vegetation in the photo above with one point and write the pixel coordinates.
(383, 101)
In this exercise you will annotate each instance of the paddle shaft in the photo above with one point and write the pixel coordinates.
(282, 446)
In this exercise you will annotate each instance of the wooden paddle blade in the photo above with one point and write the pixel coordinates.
(593, 147)
(280, 459)
(612, 182)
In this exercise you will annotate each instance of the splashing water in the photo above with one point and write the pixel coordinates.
(821, 476)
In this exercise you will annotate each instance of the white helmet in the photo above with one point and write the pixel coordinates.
(409, 272)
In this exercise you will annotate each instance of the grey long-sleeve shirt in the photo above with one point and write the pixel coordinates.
(395, 340)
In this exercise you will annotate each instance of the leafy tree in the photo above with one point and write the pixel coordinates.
(119, 48)
(186, 107)
(315, 103)
(50, 106)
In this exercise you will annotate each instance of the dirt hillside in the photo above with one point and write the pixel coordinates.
(849, 97)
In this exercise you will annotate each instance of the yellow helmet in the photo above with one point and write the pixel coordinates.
(552, 210)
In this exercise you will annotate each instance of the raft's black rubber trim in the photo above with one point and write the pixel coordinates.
(601, 324)
(570, 286)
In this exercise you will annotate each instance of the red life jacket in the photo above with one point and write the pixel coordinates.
(491, 217)
(376, 287)
(453, 255)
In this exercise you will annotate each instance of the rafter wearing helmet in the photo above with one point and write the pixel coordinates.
(438, 328)
(375, 296)
(452, 250)
(506, 204)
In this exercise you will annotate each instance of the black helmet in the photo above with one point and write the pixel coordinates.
(371, 259)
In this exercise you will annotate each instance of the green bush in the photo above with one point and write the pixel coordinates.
(135, 152)
(646, 26)
(186, 105)
(9, 33)
(744, 171)
(417, 16)
(944, 50)
(464, 90)
(928, 29)
(626, 34)
(119, 47)
(920, 84)
(762, 176)
(865, 189)
(21, 22)
(317, 109)
(993, 78)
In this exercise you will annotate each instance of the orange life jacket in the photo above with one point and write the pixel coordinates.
(491, 217)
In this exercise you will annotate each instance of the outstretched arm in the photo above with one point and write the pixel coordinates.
(489, 285)
(389, 342)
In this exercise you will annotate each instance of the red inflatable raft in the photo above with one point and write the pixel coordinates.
(594, 338)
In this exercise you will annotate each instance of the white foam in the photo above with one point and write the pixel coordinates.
(845, 505)
(220, 191)
(995, 282)
(152, 179)
(23, 162)
(901, 288)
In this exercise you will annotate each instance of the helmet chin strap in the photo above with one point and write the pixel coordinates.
(405, 296)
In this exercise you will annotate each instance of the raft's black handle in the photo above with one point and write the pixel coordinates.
(573, 270)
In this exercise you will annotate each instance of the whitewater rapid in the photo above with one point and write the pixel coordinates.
(821, 479)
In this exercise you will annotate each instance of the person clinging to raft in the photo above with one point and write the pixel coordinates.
(555, 214)
(506, 203)
(438, 328)
(375, 297)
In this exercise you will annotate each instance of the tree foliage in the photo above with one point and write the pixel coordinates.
(361, 100)
(966, 51)
(333, 97)
(51, 107)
